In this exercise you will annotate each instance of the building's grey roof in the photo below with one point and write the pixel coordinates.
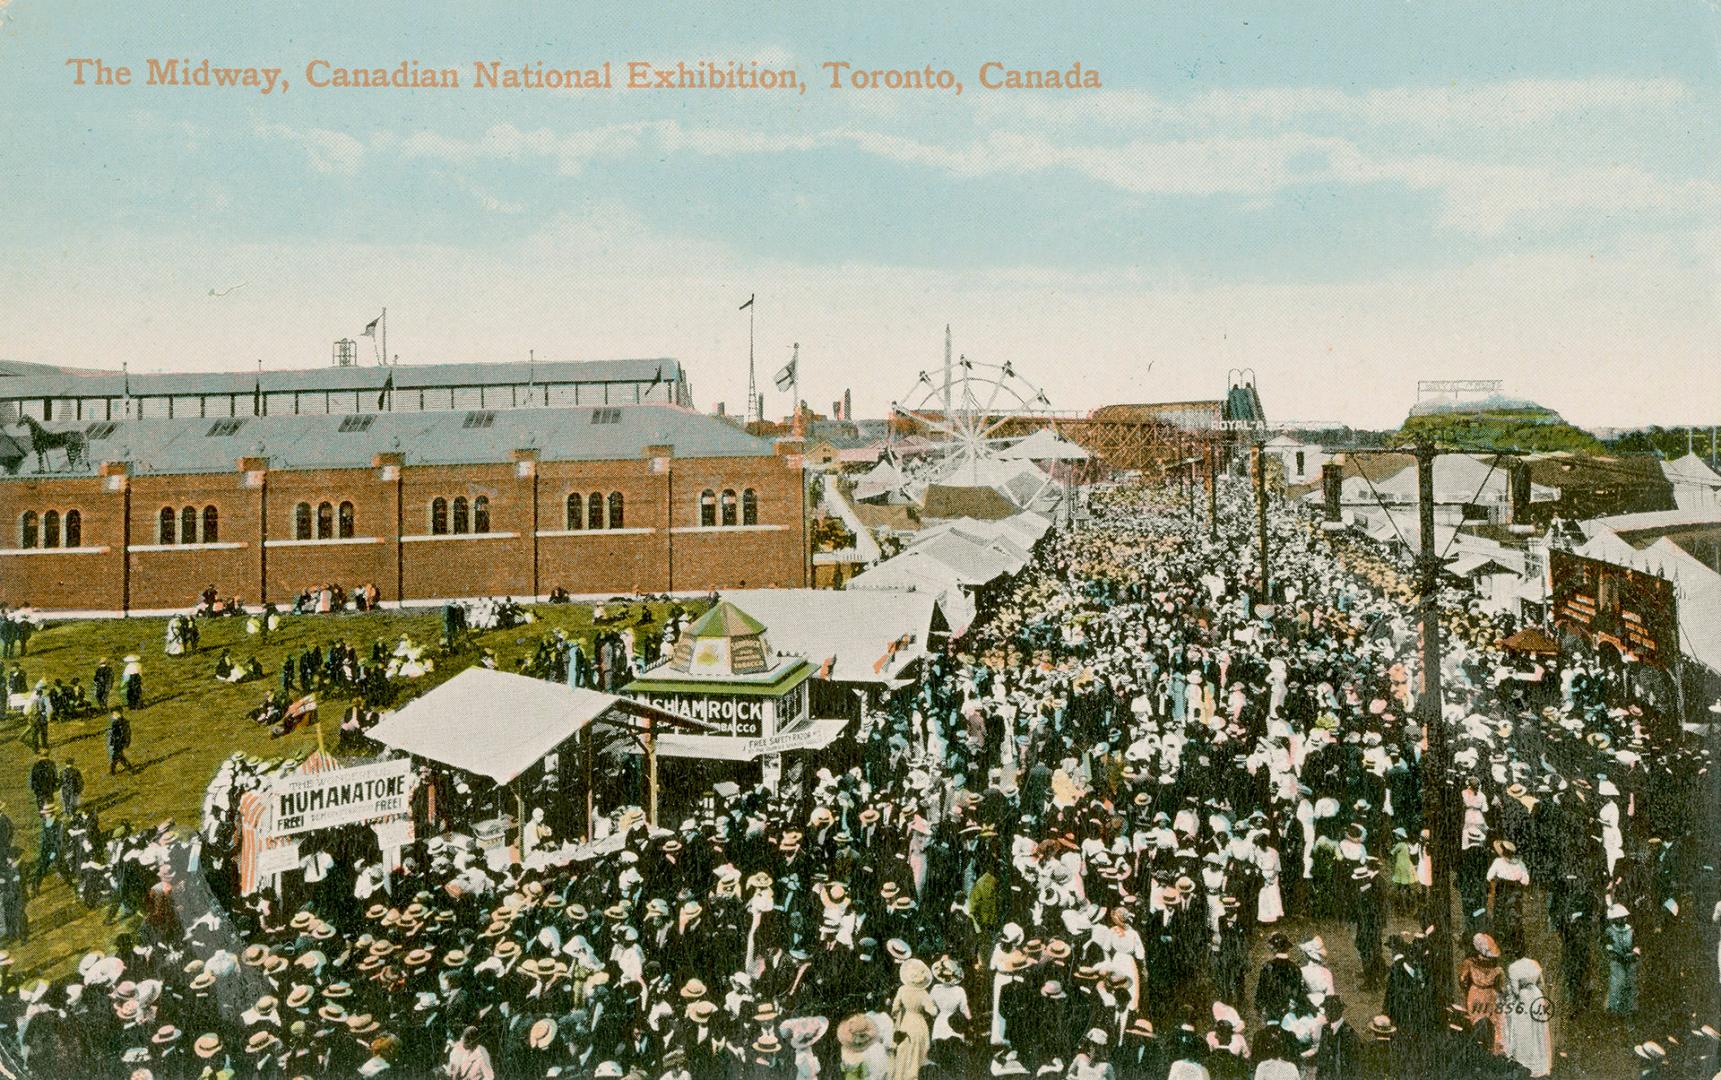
(43, 382)
(584, 433)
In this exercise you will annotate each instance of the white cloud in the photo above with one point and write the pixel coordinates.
(1245, 144)
(1511, 103)
(328, 151)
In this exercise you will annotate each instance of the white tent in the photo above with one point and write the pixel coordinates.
(490, 723)
(1695, 485)
(853, 630)
(1045, 445)
(914, 571)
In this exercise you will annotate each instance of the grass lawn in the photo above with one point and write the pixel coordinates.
(190, 721)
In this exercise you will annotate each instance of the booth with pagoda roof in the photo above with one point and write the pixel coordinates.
(724, 673)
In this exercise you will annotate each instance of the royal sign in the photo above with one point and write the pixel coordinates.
(307, 801)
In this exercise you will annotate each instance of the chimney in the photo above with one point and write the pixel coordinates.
(1518, 496)
(1332, 488)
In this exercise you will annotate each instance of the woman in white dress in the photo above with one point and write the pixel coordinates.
(1527, 1039)
(1269, 902)
(954, 1019)
(1125, 953)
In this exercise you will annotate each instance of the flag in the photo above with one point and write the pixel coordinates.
(825, 668)
(748, 304)
(786, 377)
(370, 327)
(387, 389)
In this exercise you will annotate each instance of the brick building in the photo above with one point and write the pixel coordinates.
(630, 499)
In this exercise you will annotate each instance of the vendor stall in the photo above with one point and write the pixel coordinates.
(724, 673)
(502, 745)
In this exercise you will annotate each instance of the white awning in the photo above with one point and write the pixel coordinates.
(860, 632)
(491, 723)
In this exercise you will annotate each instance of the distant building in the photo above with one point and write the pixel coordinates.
(54, 394)
(1301, 460)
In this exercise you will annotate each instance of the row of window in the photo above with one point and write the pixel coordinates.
(53, 529)
(330, 523)
(295, 402)
(715, 509)
(181, 527)
(466, 517)
(587, 511)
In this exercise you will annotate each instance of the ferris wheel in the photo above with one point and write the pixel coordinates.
(972, 415)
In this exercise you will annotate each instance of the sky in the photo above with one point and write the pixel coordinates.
(1343, 198)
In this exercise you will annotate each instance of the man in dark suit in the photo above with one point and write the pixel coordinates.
(1280, 981)
(1339, 1056)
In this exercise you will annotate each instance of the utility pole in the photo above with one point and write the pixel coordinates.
(1260, 455)
(1212, 491)
(1188, 470)
(1437, 764)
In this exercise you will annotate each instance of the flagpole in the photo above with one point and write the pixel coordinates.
(753, 404)
(795, 390)
(385, 336)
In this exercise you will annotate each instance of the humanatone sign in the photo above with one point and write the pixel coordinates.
(306, 801)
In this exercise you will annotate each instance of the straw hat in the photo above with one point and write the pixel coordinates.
(207, 1046)
(915, 973)
(361, 1024)
(701, 1012)
(543, 1033)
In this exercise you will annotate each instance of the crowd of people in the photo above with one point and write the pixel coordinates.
(1077, 845)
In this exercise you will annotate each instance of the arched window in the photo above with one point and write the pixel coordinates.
(211, 525)
(617, 517)
(749, 507)
(188, 525)
(51, 529)
(438, 516)
(74, 529)
(165, 530)
(707, 508)
(462, 522)
(325, 521)
(576, 511)
(27, 529)
(481, 514)
(728, 507)
(595, 511)
(302, 521)
(345, 521)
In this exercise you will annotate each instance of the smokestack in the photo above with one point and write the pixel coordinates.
(849, 414)
(1332, 488)
(1518, 496)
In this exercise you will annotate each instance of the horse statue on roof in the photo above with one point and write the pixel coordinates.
(42, 440)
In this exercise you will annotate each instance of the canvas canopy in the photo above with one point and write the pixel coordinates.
(1045, 445)
(856, 633)
(494, 724)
